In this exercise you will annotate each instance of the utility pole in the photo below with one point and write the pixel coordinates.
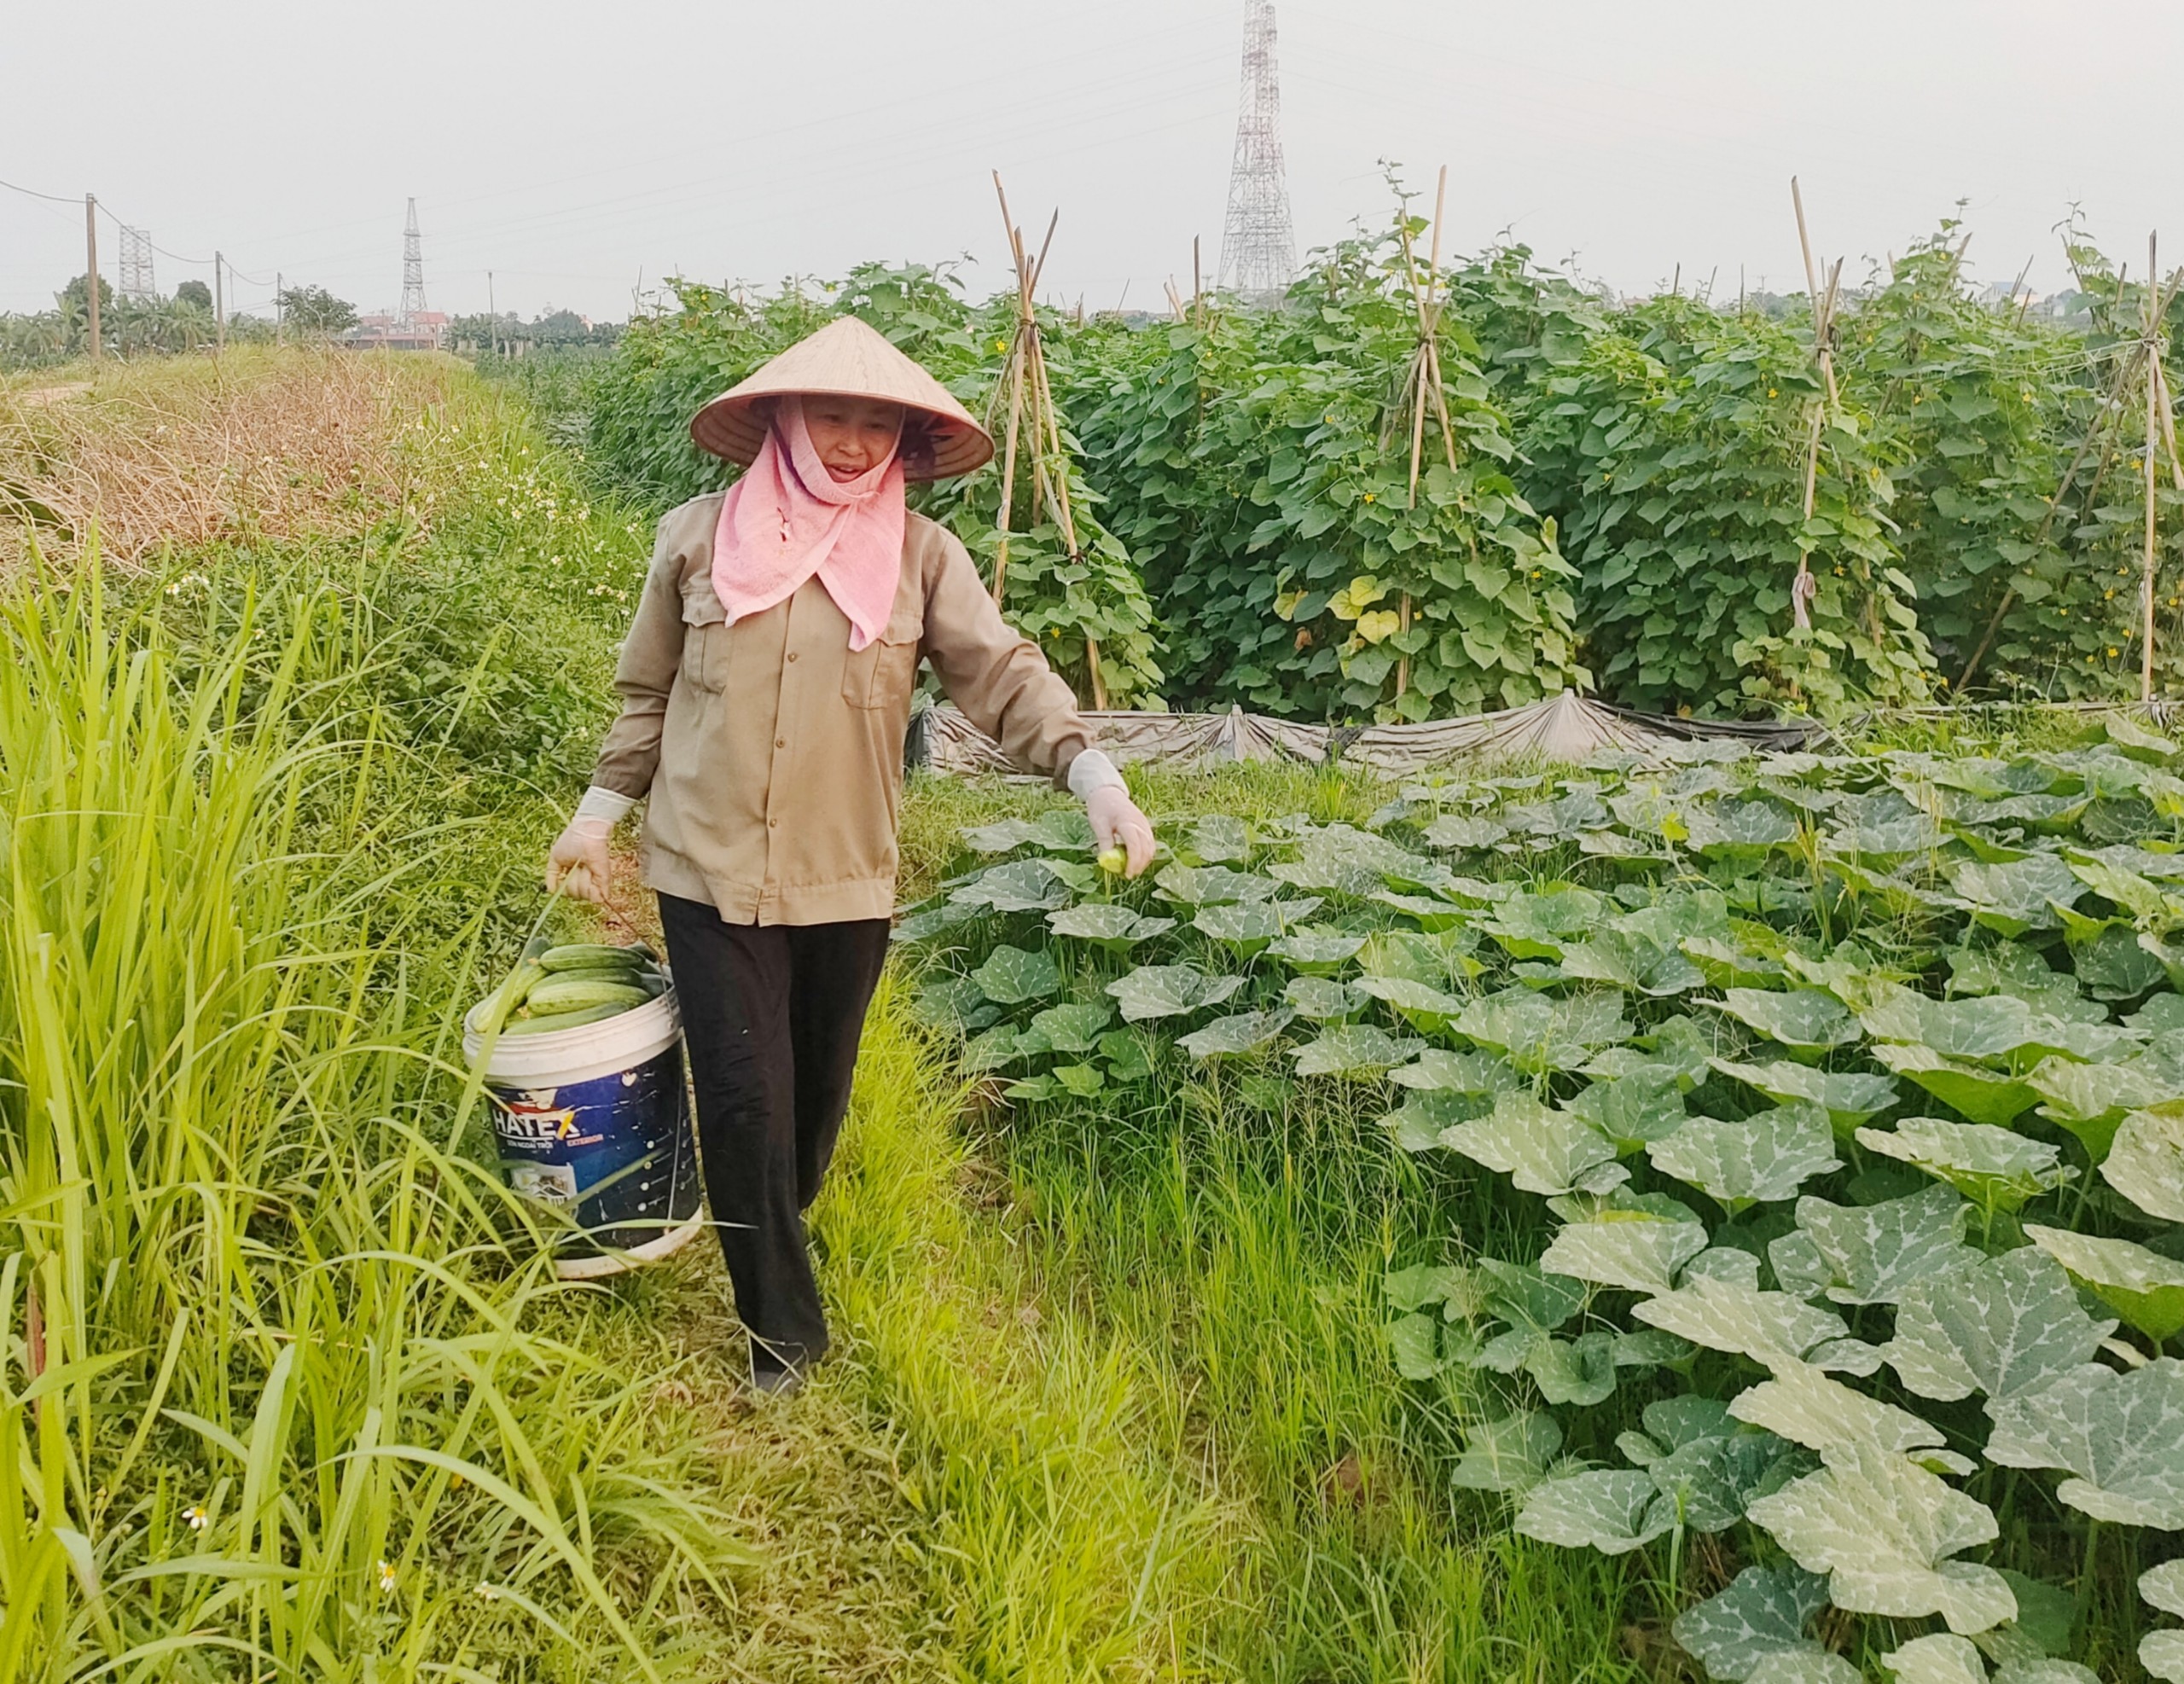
(219, 305)
(91, 269)
(278, 339)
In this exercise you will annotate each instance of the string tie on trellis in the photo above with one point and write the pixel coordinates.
(1802, 589)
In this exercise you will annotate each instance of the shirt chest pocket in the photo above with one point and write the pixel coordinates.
(705, 636)
(881, 674)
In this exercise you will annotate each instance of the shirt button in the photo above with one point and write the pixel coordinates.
(773, 824)
(792, 655)
(781, 742)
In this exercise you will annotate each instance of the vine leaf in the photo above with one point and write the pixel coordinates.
(2162, 1587)
(1169, 991)
(1423, 1005)
(1635, 1109)
(1072, 1029)
(1612, 1510)
(1806, 1020)
(1770, 1328)
(2144, 1287)
(1984, 1096)
(1870, 1253)
(1106, 923)
(1438, 1070)
(1011, 975)
(1541, 1150)
(2120, 1436)
(1315, 952)
(1939, 1658)
(1762, 1613)
(1510, 1454)
(1850, 1097)
(1020, 885)
(1884, 1529)
(2146, 1164)
(1996, 1168)
(1630, 1250)
(1760, 1160)
(1807, 1407)
(1241, 1033)
(1354, 1049)
(2004, 1327)
(1322, 999)
(1250, 925)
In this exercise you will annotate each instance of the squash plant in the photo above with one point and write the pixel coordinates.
(1835, 1108)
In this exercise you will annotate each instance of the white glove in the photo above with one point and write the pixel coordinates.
(578, 862)
(1116, 820)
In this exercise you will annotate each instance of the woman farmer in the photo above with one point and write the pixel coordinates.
(765, 695)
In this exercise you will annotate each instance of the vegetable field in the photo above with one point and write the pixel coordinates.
(1495, 1228)
(1807, 1133)
(1584, 492)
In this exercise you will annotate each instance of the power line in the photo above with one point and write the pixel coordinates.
(31, 192)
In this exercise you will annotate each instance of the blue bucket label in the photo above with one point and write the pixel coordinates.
(613, 1151)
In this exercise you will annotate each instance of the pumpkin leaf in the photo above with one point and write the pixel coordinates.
(1872, 1253)
(2142, 1286)
(1849, 1097)
(1721, 1314)
(1761, 1615)
(2005, 1327)
(1541, 1150)
(1637, 1252)
(1761, 1159)
(1984, 1096)
(1995, 1168)
(1804, 1019)
(1511, 1454)
(1244, 1032)
(2145, 1163)
(1072, 1029)
(1354, 1049)
(1106, 923)
(1169, 991)
(1884, 1531)
(1612, 1510)
(2120, 1436)
(1011, 975)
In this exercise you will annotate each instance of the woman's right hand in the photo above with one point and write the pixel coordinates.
(578, 862)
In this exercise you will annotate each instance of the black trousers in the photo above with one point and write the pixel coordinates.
(771, 1014)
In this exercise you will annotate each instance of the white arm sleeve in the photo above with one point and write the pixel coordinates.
(1091, 771)
(603, 806)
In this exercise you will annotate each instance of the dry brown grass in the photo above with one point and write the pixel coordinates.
(255, 446)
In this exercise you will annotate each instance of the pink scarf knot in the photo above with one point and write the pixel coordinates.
(788, 519)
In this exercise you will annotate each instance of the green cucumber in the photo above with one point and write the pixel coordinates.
(595, 955)
(574, 993)
(554, 1020)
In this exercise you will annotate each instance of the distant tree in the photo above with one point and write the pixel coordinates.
(71, 297)
(313, 310)
(196, 293)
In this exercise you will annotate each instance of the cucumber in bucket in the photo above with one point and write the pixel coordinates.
(580, 1053)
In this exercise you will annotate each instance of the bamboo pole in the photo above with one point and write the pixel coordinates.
(2153, 445)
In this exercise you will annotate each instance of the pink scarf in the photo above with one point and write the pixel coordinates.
(788, 518)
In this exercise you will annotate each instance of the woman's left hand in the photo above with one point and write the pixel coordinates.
(1117, 823)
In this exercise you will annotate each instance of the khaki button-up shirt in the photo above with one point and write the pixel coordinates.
(770, 756)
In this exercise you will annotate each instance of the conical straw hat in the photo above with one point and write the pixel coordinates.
(848, 357)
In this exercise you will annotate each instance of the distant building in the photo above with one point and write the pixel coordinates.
(426, 330)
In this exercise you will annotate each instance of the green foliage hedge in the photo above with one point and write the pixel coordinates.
(1619, 507)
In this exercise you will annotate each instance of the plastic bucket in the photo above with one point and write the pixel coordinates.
(596, 1121)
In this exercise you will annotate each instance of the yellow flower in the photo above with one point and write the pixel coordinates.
(1368, 497)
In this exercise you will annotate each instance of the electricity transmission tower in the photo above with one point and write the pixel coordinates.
(1258, 248)
(135, 281)
(413, 270)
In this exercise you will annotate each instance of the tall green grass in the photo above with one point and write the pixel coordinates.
(270, 1407)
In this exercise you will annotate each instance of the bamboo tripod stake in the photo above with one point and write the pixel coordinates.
(1424, 385)
(1031, 402)
(1803, 588)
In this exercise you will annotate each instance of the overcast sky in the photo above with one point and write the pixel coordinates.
(581, 152)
